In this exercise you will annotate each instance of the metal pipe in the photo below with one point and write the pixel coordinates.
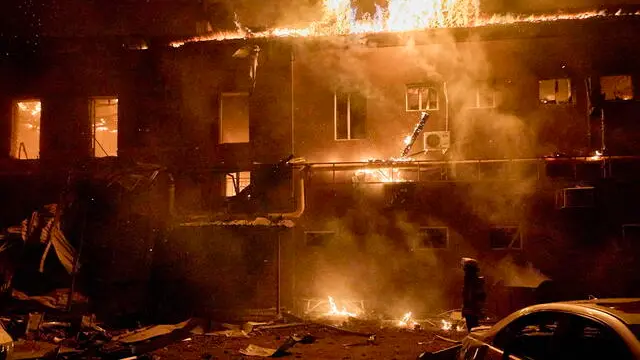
(278, 275)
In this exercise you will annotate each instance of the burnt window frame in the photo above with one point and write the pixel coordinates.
(235, 179)
(570, 101)
(419, 243)
(633, 87)
(518, 231)
(349, 126)
(428, 86)
(322, 232)
(221, 118)
(92, 118)
(15, 149)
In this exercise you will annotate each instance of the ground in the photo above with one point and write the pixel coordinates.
(390, 343)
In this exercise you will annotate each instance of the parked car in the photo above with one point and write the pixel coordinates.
(589, 329)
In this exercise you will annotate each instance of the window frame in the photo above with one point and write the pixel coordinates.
(519, 232)
(477, 92)
(221, 118)
(92, 117)
(633, 90)
(235, 181)
(335, 116)
(419, 242)
(421, 86)
(14, 123)
(571, 99)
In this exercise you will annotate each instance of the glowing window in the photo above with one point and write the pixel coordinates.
(433, 238)
(421, 97)
(25, 136)
(350, 112)
(236, 182)
(234, 118)
(104, 123)
(505, 238)
(555, 91)
(617, 87)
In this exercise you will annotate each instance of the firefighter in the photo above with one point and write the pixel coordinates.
(473, 293)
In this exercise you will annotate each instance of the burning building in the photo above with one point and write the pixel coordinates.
(525, 157)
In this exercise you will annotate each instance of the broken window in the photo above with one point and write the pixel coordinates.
(318, 238)
(104, 122)
(433, 238)
(236, 182)
(505, 238)
(25, 135)
(234, 118)
(421, 97)
(555, 91)
(482, 97)
(616, 87)
(350, 112)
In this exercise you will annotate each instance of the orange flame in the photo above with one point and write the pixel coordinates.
(448, 326)
(333, 310)
(407, 321)
(339, 18)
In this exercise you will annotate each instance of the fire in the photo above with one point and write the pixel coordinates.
(407, 321)
(448, 326)
(384, 175)
(339, 18)
(333, 311)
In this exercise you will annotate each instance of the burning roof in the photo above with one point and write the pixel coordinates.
(339, 18)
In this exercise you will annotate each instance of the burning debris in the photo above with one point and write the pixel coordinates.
(335, 312)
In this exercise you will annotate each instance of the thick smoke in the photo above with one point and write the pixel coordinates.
(386, 265)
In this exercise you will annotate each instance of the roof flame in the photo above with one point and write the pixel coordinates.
(339, 18)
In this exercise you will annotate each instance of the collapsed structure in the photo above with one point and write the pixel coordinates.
(282, 184)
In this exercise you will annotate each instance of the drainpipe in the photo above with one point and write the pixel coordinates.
(446, 107)
(300, 203)
(172, 195)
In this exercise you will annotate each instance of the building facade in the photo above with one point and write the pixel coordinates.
(527, 160)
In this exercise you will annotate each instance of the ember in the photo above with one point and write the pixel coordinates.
(407, 321)
(448, 326)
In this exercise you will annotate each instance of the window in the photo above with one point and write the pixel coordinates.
(25, 135)
(530, 336)
(234, 118)
(555, 91)
(421, 97)
(505, 238)
(350, 112)
(616, 87)
(236, 182)
(104, 123)
(483, 97)
(318, 238)
(589, 339)
(433, 238)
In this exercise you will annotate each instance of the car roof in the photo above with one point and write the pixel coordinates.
(625, 309)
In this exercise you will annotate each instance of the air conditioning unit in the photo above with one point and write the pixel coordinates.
(437, 141)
